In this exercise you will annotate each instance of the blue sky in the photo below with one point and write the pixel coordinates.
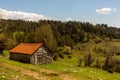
(94, 11)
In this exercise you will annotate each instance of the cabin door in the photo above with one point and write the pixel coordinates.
(39, 59)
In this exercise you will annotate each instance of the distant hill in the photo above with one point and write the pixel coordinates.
(68, 33)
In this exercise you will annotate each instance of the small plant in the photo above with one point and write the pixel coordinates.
(98, 41)
(108, 63)
(98, 63)
(61, 55)
(110, 70)
(79, 63)
(69, 56)
(67, 53)
(111, 64)
(89, 59)
(55, 58)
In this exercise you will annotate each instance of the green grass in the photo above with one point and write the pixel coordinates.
(62, 67)
(117, 57)
(67, 67)
(10, 74)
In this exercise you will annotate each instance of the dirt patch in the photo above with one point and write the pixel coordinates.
(25, 72)
(66, 77)
(61, 76)
(42, 74)
(49, 74)
(35, 75)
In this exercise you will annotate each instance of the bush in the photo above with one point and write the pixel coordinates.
(111, 65)
(117, 65)
(61, 55)
(55, 57)
(67, 53)
(69, 57)
(98, 63)
(6, 53)
(79, 62)
(108, 63)
(98, 41)
(117, 68)
(89, 59)
(110, 70)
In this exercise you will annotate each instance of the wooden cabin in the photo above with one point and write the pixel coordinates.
(31, 53)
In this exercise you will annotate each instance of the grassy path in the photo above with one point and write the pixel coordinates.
(30, 73)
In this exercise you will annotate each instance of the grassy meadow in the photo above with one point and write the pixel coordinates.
(63, 69)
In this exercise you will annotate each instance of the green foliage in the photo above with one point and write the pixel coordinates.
(98, 65)
(3, 40)
(113, 50)
(57, 32)
(19, 36)
(66, 40)
(6, 53)
(61, 55)
(69, 56)
(98, 41)
(10, 43)
(108, 63)
(55, 57)
(79, 62)
(45, 34)
(89, 59)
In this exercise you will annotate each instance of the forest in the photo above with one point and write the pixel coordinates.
(53, 33)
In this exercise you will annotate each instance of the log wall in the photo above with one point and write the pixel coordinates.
(20, 57)
(41, 56)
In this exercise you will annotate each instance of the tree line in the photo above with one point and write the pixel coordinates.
(53, 33)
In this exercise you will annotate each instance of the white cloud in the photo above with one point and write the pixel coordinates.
(106, 10)
(5, 14)
(68, 19)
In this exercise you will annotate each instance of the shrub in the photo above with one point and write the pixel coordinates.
(98, 63)
(79, 62)
(61, 55)
(69, 56)
(117, 65)
(110, 70)
(98, 41)
(117, 68)
(55, 57)
(89, 59)
(108, 63)
(67, 53)
(111, 65)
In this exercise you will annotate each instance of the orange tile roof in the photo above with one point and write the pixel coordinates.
(26, 48)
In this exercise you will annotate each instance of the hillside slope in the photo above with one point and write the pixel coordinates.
(63, 69)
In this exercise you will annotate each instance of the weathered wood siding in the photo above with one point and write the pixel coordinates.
(41, 56)
(20, 57)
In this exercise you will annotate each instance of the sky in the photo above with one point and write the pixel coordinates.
(93, 11)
